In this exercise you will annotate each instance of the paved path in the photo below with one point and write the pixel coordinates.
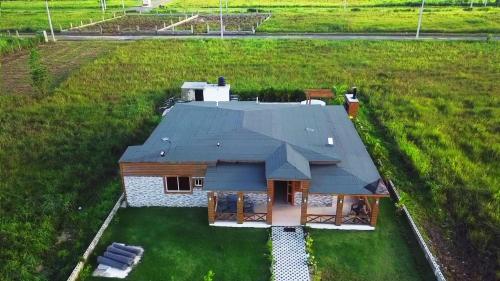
(394, 37)
(289, 252)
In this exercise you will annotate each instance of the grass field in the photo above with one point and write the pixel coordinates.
(32, 16)
(382, 20)
(436, 102)
(180, 245)
(316, 3)
(389, 253)
(288, 15)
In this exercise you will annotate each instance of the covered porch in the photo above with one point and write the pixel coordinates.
(242, 196)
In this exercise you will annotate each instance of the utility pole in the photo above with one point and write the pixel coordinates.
(420, 18)
(471, 3)
(345, 4)
(123, 6)
(102, 5)
(50, 21)
(221, 23)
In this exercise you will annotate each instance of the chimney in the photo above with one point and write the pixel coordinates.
(351, 102)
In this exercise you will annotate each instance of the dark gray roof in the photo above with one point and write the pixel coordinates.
(246, 131)
(236, 177)
(291, 140)
(285, 163)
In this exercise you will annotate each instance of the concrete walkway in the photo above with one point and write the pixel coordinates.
(289, 253)
(291, 36)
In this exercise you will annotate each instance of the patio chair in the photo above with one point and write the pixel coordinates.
(359, 207)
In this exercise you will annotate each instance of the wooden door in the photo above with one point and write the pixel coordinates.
(289, 192)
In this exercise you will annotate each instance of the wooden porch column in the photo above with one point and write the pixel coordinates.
(270, 197)
(340, 206)
(239, 208)
(305, 197)
(374, 214)
(211, 207)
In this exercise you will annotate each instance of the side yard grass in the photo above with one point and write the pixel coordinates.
(180, 245)
(391, 252)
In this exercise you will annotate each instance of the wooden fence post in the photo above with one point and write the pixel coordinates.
(239, 208)
(374, 213)
(340, 206)
(211, 207)
(270, 195)
(305, 197)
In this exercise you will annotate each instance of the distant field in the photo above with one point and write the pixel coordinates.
(314, 3)
(430, 118)
(288, 15)
(32, 16)
(383, 20)
(328, 16)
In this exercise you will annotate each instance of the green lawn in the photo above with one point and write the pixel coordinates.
(391, 252)
(180, 245)
(429, 116)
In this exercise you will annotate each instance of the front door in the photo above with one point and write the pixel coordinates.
(289, 192)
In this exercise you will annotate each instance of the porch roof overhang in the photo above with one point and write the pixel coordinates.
(236, 177)
(337, 180)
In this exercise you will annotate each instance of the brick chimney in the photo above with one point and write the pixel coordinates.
(352, 103)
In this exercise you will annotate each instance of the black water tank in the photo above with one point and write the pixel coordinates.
(221, 81)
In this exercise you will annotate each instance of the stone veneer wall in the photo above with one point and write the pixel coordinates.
(257, 198)
(316, 200)
(149, 191)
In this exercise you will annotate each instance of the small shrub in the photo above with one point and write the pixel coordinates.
(356, 10)
(209, 276)
(39, 73)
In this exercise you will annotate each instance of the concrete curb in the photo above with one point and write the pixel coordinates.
(428, 255)
(78, 268)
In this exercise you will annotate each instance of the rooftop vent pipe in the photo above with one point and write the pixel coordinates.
(221, 82)
(354, 91)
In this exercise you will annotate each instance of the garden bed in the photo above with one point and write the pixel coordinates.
(145, 24)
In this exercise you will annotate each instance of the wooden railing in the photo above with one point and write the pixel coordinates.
(255, 217)
(225, 216)
(350, 219)
(313, 218)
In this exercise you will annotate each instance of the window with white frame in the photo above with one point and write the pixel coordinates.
(177, 184)
(198, 182)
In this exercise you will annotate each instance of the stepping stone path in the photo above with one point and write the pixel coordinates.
(289, 252)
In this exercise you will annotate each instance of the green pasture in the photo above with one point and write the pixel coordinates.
(430, 114)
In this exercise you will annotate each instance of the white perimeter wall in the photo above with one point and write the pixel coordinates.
(149, 191)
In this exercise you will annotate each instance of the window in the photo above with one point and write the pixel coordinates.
(198, 182)
(177, 184)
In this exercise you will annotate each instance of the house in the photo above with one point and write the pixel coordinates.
(257, 164)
